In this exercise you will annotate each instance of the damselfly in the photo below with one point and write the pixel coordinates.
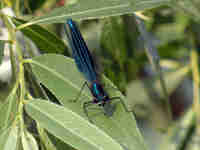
(85, 64)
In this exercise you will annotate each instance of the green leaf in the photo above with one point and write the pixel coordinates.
(172, 80)
(59, 144)
(2, 44)
(8, 109)
(9, 139)
(69, 127)
(5, 90)
(45, 139)
(4, 136)
(45, 40)
(181, 131)
(118, 49)
(60, 75)
(139, 5)
(85, 9)
(90, 9)
(28, 141)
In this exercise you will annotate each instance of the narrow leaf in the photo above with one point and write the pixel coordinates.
(45, 139)
(4, 136)
(179, 132)
(45, 40)
(90, 9)
(59, 144)
(173, 80)
(69, 127)
(28, 141)
(11, 141)
(60, 75)
(85, 9)
(8, 109)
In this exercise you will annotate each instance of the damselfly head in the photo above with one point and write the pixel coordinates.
(109, 108)
(70, 22)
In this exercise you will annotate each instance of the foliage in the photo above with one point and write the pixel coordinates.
(36, 111)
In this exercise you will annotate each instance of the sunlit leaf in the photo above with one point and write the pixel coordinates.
(4, 136)
(85, 9)
(28, 141)
(60, 75)
(89, 9)
(70, 127)
(9, 139)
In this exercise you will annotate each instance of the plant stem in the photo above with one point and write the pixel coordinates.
(17, 73)
(17, 7)
(195, 73)
(154, 59)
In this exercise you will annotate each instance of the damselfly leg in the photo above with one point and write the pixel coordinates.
(79, 94)
(121, 101)
(108, 109)
(86, 106)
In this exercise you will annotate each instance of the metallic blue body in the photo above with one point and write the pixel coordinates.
(81, 53)
(85, 63)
